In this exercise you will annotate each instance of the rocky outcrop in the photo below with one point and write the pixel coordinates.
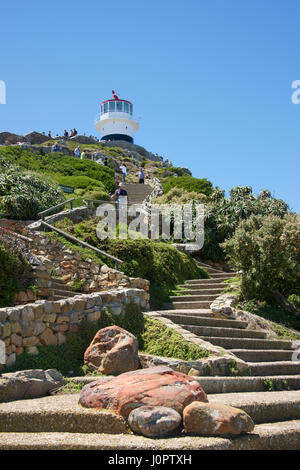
(154, 421)
(212, 419)
(157, 386)
(112, 351)
(29, 384)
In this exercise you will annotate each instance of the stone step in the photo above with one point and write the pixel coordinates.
(235, 384)
(275, 368)
(58, 297)
(284, 435)
(206, 285)
(58, 413)
(204, 291)
(217, 385)
(201, 282)
(247, 343)
(183, 298)
(187, 305)
(222, 275)
(191, 319)
(263, 407)
(66, 293)
(57, 285)
(262, 355)
(204, 312)
(208, 331)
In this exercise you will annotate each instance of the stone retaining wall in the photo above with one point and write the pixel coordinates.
(24, 327)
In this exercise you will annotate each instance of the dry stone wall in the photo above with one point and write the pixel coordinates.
(24, 327)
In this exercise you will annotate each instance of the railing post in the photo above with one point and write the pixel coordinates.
(71, 205)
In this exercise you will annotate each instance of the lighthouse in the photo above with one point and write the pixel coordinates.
(116, 120)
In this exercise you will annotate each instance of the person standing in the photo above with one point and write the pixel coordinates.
(124, 172)
(120, 197)
(141, 176)
(106, 161)
(77, 152)
(83, 155)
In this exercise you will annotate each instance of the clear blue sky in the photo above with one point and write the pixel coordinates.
(210, 79)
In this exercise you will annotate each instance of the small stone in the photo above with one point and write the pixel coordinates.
(154, 421)
(213, 419)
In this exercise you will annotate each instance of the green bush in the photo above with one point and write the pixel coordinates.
(180, 196)
(222, 216)
(24, 195)
(188, 183)
(267, 250)
(12, 269)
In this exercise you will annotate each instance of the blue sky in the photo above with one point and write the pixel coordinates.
(210, 79)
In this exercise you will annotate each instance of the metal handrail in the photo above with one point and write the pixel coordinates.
(87, 245)
(68, 201)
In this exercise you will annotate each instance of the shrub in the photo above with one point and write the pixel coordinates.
(12, 269)
(24, 195)
(267, 250)
(188, 183)
(180, 196)
(222, 216)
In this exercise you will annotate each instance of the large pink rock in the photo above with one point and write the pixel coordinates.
(112, 351)
(155, 386)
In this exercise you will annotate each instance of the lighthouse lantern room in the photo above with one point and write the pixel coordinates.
(116, 121)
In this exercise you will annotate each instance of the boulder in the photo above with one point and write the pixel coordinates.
(112, 351)
(29, 384)
(154, 421)
(213, 419)
(156, 386)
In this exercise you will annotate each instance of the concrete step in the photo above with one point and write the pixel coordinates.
(182, 298)
(263, 407)
(215, 385)
(262, 355)
(191, 319)
(187, 305)
(249, 343)
(284, 435)
(275, 368)
(231, 333)
(209, 268)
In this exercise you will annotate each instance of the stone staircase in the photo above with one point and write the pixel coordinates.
(265, 357)
(61, 290)
(137, 193)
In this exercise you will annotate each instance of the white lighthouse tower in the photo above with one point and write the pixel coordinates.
(116, 121)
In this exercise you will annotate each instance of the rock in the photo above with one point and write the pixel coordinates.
(29, 384)
(156, 386)
(154, 421)
(112, 351)
(212, 419)
(36, 138)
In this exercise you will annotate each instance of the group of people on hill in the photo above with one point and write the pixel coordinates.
(72, 133)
